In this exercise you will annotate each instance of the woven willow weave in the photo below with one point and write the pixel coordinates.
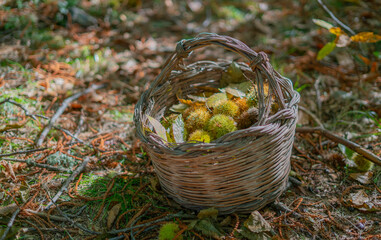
(241, 171)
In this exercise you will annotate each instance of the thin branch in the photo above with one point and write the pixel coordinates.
(74, 222)
(61, 109)
(335, 18)
(25, 230)
(67, 182)
(40, 165)
(81, 120)
(353, 146)
(10, 224)
(71, 135)
(67, 217)
(20, 106)
(42, 214)
(22, 152)
(283, 208)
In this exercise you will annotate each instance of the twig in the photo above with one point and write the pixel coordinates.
(141, 211)
(351, 145)
(20, 106)
(81, 120)
(40, 165)
(25, 230)
(68, 181)
(22, 152)
(283, 208)
(294, 181)
(67, 217)
(10, 224)
(72, 135)
(335, 18)
(73, 222)
(61, 109)
(42, 214)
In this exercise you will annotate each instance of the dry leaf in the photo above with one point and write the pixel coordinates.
(359, 198)
(112, 214)
(322, 23)
(256, 223)
(363, 177)
(179, 108)
(367, 37)
(337, 31)
(197, 98)
(159, 129)
(187, 102)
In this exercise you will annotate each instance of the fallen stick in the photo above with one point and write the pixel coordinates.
(22, 152)
(335, 18)
(61, 109)
(20, 106)
(351, 145)
(40, 165)
(67, 182)
(10, 224)
(42, 214)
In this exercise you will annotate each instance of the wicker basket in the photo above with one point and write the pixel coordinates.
(241, 171)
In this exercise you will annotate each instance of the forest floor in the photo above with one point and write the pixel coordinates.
(71, 73)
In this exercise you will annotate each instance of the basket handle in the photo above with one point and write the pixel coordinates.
(258, 62)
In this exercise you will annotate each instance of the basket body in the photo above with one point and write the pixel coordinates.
(240, 172)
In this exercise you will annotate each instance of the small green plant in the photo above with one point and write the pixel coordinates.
(299, 87)
(342, 39)
(168, 231)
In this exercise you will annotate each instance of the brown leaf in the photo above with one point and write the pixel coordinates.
(112, 214)
(362, 177)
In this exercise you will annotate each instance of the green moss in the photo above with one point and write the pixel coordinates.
(199, 136)
(362, 163)
(220, 125)
(197, 119)
(168, 231)
(226, 107)
(213, 100)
